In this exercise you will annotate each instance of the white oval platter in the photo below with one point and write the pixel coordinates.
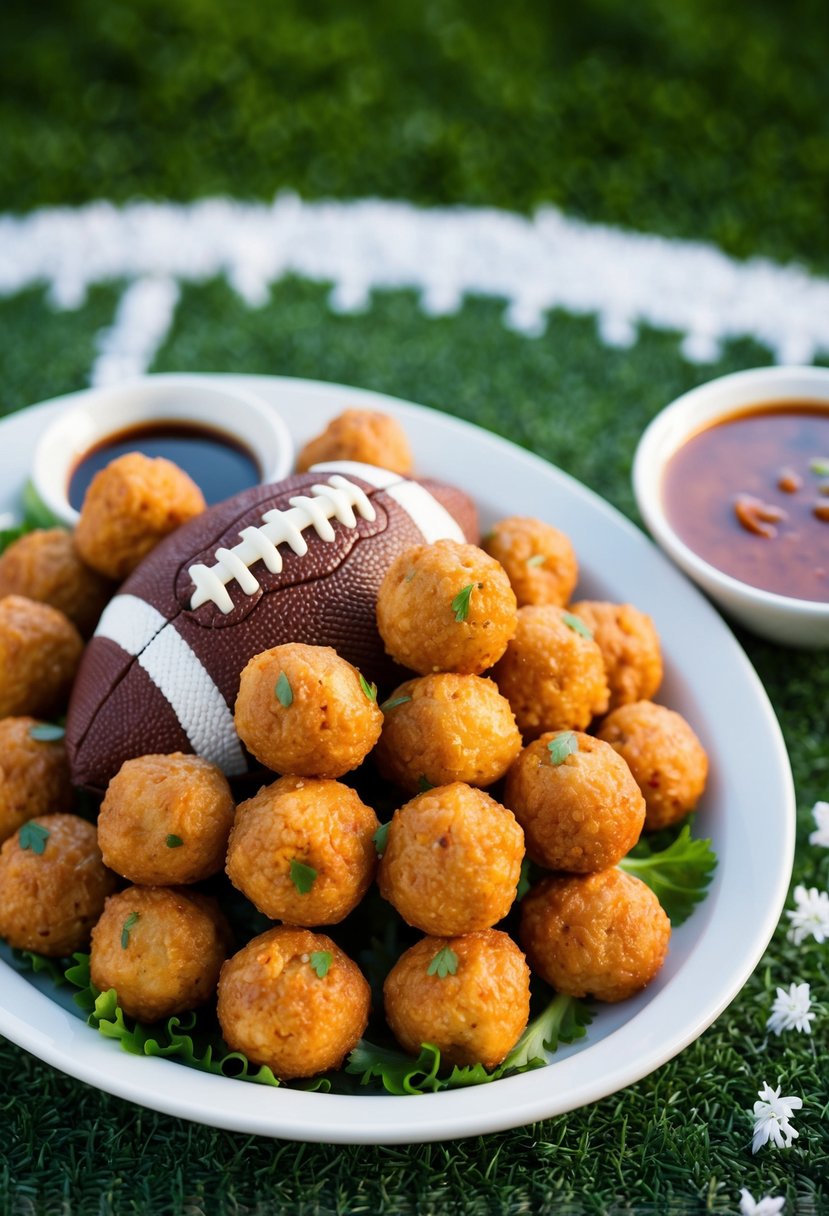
(748, 810)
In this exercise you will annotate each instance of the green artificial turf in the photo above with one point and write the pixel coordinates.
(680, 1139)
(686, 117)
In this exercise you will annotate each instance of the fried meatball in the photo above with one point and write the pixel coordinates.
(293, 1000)
(165, 820)
(580, 810)
(304, 710)
(603, 935)
(552, 674)
(667, 760)
(468, 995)
(53, 884)
(446, 727)
(40, 650)
(446, 607)
(302, 850)
(34, 775)
(129, 507)
(44, 565)
(630, 648)
(160, 948)
(452, 860)
(539, 560)
(364, 435)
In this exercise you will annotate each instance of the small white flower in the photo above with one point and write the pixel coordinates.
(821, 835)
(810, 917)
(772, 1119)
(791, 1010)
(749, 1206)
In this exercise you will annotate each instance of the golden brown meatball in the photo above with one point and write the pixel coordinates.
(667, 760)
(304, 710)
(160, 948)
(53, 884)
(446, 607)
(44, 565)
(580, 809)
(468, 995)
(446, 727)
(630, 648)
(302, 850)
(293, 1000)
(539, 560)
(602, 935)
(552, 674)
(364, 435)
(34, 775)
(452, 861)
(129, 507)
(165, 820)
(40, 650)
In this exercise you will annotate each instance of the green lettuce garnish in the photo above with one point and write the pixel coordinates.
(678, 875)
(176, 1038)
(563, 1020)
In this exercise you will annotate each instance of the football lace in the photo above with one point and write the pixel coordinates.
(339, 499)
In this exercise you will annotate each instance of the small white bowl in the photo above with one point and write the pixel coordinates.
(793, 622)
(242, 415)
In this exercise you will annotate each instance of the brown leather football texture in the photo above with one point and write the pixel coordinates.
(298, 561)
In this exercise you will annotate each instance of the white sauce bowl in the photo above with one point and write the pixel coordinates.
(199, 401)
(793, 622)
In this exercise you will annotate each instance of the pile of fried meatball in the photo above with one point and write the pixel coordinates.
(527, 729)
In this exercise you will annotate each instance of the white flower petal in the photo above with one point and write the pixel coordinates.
(767, 1206)
(810, 917)
(772, 1118)
(820, 812)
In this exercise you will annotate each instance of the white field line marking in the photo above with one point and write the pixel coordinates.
(534, 264)
(142, 321)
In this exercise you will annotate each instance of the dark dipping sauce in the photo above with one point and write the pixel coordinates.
(750, 495)
(220, 465)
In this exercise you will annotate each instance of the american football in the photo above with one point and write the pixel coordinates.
(298, 561)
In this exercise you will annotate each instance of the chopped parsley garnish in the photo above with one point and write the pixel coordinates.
(370, 690)
(578, 626)
(46, 732)
(424, 784)
(564, 745)
(320, 962)
(677, 875)
(537, 559)
(820, 466)
(380, 837)
(460, 604)
(393, 703)
(283, 690)
(444, 963)
(33, 836)
(303, 877)
(174, 842)
(130, 923)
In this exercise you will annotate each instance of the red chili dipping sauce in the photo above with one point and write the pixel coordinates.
(750, 495)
